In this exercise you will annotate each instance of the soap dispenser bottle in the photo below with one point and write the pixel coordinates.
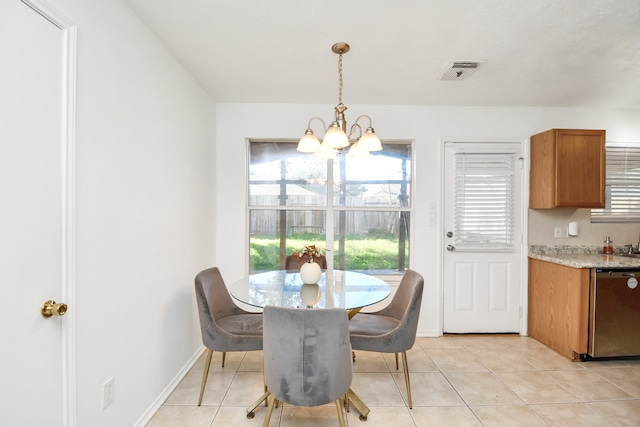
(608, 246)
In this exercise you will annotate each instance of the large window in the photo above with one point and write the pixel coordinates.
(622, 190)
(357, 210)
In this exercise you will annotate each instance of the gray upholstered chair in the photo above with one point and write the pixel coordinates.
(225, 327)
(392, 329)
(292, 262)
(307, 357)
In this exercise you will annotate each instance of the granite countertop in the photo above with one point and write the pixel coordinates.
(583, 256)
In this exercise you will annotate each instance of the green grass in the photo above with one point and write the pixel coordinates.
(361, 252)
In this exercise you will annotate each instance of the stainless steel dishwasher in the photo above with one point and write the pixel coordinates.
(614, 313)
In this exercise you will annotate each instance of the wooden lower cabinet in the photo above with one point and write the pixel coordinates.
(559, 307)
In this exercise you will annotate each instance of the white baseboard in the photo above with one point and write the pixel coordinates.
(148, 414)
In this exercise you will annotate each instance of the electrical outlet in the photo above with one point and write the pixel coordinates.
(108, 392)
(557, 232)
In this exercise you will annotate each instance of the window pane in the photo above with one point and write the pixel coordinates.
(281, 176)
(381, 180)
(484, 201)
(274, 234)
(371, 241)
(622, 191)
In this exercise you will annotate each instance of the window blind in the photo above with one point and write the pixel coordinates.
(622, 190)
(484, 201)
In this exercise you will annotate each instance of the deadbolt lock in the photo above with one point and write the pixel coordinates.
(51, 308)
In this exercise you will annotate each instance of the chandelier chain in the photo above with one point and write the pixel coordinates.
(340, 81)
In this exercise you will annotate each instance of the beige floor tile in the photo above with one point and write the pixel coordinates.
(547, 359)
(439, 342)
(246, 388)
(455, 360)
(428, 389)
(588, 386)
(231, 361)
(382, 416)
(317, 416)
(368, 361)
(517, 341)
(571, 415)
(508, 416)
(536, 387)
(496, 375)
(496, 359)
(236, 416)
(188, 390)
(183, 416)
(376, 389)
(483, 341)
(625, 413)
(627, 379)
(612, 363)
(481, 388)
(252, 361)
(444, 416)
(417, 359)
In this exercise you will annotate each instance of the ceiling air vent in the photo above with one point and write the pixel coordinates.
(459, 70)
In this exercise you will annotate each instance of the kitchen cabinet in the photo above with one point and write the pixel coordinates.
(559, 306)
(568, 169)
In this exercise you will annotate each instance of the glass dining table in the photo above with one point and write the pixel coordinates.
(342, 289)
(336, 289)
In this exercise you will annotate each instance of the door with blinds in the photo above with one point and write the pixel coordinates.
(483, 237)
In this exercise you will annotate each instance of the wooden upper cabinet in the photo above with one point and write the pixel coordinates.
(568, 169)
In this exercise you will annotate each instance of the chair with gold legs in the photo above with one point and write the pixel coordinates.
(225, 327)
(392, 329)
(307, 357)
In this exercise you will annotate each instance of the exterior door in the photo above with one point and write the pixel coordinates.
(32, 217)
(483, 237)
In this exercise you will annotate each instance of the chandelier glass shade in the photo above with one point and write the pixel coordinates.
(335, 138)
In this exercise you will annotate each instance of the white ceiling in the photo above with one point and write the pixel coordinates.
(583, 53)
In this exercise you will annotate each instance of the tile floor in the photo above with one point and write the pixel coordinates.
(456, 380)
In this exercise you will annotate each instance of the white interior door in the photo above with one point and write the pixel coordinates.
(483, 237)
(32, 127)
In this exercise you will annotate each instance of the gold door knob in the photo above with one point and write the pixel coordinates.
(50, 308)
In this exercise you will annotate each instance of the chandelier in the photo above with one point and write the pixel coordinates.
(335, 138)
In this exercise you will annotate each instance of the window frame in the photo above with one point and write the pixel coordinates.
(331, 208)
(617, 153)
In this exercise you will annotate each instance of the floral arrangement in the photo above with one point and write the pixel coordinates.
(309, 253)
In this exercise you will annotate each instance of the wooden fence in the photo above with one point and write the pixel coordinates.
(266, 222)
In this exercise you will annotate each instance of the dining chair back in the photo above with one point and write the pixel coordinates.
(392, 329)
(224, 326)
(307, 357)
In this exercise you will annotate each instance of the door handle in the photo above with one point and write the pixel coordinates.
(51, 308)
(451, 248)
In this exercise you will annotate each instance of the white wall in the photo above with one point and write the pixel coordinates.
(427, 126)
(145, 211)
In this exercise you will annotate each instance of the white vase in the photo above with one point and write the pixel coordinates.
(310, 294)
(310, 272)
